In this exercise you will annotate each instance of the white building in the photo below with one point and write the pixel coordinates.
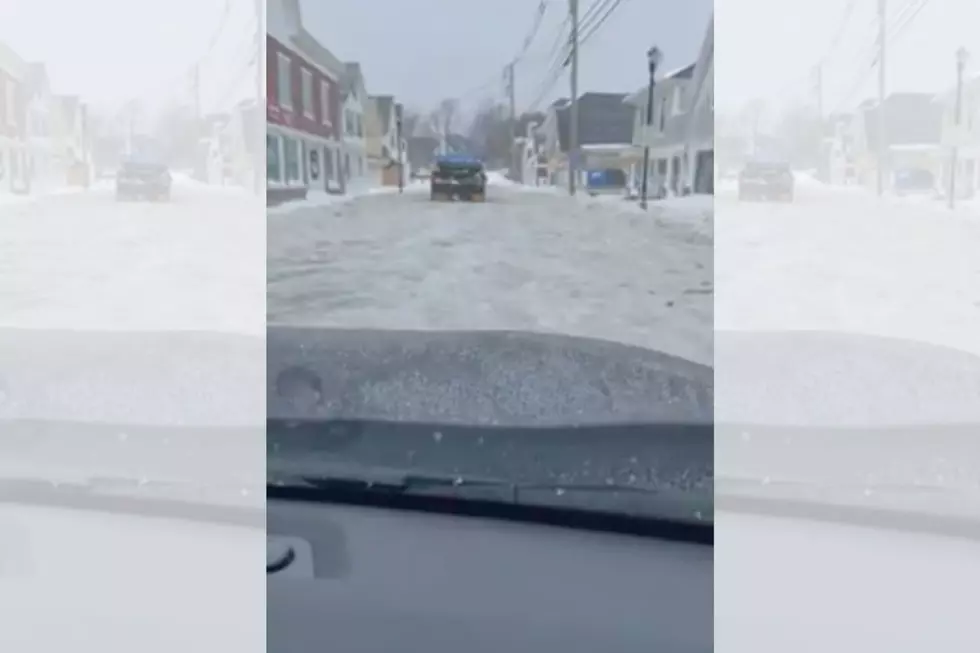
(382, 142)
(47, 165)
(699, 137)
(354, 97)
(13, 144)
(681, 136)
(965, 136)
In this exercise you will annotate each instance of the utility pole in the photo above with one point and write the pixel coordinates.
(961, 58)
(573, 117)
(882, 132)
(512, 94)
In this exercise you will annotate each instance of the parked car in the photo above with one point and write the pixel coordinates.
(458, 177)
(916, 181)
(143, 179)
(766, 180)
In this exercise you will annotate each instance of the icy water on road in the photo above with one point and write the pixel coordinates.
(524, 260)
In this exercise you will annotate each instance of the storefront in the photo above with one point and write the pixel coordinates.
(14, 166)
(298, 163)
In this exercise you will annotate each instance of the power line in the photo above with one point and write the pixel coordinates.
(611, 6)
(589, 29)
(845, 19)
(539, 15)
(899, 25)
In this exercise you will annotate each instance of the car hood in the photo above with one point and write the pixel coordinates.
(504, 378)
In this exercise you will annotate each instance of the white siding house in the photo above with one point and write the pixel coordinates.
(667, 136)
(681, 138)
(699, 137)
(354, 96)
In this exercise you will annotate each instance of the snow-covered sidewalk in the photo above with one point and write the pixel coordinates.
(523, 260)
(321, 199)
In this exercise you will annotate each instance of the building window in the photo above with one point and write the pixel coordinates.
(284, 87)
(273, 158)
(325, 102)
(308, 94)
(292, 167)
(663, 115)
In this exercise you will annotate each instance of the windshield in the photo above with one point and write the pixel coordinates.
(531, 295)
(457, 169)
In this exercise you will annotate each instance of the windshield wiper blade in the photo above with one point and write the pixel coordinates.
(384, 481)
(636, 500)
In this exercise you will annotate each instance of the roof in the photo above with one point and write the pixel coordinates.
(603, 119)
(640, 94)
(910, 119)
(687, 72)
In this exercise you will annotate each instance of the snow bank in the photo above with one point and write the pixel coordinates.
(322, 199)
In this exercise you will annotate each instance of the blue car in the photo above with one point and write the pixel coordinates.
(460, 177)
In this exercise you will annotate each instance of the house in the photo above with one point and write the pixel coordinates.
(964, 136)
(14, 175)
(384, 143)
(71, 138)
(913, 137)
(605, 139)
(46, 166)
(303, 132)
(353, 97)
(531, 172)
(699, 137)
(238, 140)
(667, 136)
(837, 156)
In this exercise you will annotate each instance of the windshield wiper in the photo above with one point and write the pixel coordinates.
(691, 512)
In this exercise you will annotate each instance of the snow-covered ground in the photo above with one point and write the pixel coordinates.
(842, 260)
(524, 260)
(85, 261)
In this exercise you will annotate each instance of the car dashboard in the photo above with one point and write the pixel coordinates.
(365, 579)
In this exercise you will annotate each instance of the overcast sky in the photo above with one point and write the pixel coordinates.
(768, 48)
(423, 51)
(110, 51)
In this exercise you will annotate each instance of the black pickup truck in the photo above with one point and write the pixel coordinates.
(458, 177)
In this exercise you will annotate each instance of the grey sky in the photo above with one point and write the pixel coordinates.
(768, 48)
(425, 50)
(112, 51)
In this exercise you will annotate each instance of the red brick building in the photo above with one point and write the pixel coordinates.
(303, 119)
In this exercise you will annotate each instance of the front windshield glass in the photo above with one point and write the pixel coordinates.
(521, 298)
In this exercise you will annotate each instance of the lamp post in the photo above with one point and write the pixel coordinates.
(962, 56)
(653, 60)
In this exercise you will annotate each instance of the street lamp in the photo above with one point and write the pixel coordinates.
(653, 60)
(962, 57)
